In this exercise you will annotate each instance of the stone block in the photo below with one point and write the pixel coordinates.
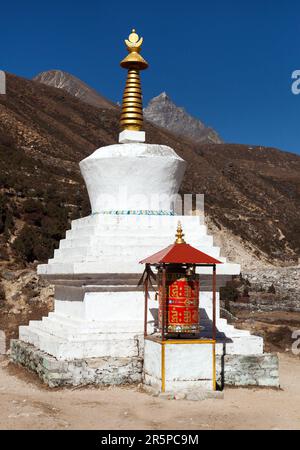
(249, 370)
(2, 343)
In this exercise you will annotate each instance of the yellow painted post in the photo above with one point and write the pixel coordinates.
(214, 368)
(163, 367)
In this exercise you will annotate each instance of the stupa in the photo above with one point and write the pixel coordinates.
(96, 332)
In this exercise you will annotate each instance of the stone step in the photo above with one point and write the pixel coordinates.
(110, 330)
(93, 254)
(70, 328)
(168, 223)
(150, 225)
(70, 333)
(43, 341)
(122, 265)
(89, 348)
(122, 240)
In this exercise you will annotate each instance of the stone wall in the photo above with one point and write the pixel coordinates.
(248, 370)
(232, 370)
(99, 371)
(2, 343)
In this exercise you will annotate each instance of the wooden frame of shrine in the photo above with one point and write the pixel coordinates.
(179, 253)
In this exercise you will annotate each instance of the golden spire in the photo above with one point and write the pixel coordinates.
(132, 106)
(179, 235)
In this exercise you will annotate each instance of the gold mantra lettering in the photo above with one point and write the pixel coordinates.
(176, 291)
(188, 316)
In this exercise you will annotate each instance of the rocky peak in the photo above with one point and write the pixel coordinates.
(162, 111)
(162, 96)
(75, 86)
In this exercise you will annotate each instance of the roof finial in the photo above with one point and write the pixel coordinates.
(179, 234)
(132, 107)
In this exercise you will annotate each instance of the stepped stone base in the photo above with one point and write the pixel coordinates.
(97, 371)
(232, 370)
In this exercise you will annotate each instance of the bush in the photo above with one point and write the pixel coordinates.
(2, 295)
(33, 210)
(6, 217)
(33, 206)
(271, 289)
(30, 245)
(25, 244)
(246, 291)
(229, 293)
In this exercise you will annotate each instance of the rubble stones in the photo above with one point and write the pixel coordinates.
(286, 281)
(98, 371)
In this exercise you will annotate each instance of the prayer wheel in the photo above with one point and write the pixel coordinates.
(181, 302)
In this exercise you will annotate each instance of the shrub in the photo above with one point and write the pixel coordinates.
(33, 206)
(271, 289)
(25, 243)
(229, 293)
(30, 245)
(2, 295)
(3, 212)
(246, 291)
(6, 217)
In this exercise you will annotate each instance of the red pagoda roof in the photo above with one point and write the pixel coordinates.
(180, 254)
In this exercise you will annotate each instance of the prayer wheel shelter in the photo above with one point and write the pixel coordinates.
(176, 355)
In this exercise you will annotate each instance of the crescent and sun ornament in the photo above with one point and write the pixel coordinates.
(134, 42)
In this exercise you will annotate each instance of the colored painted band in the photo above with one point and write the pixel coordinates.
(146, 212)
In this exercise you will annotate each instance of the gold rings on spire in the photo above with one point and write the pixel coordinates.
(132, 105)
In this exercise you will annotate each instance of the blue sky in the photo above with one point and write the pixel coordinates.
(228, 62)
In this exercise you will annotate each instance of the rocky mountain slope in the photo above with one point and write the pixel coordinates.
(163, 112)
(160, 111)
(76, 87)
(252, 194)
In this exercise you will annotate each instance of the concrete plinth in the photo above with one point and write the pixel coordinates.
(169, 367)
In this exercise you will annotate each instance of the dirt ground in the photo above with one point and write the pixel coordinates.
(27, 404)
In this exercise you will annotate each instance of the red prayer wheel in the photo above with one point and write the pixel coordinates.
(182, 302)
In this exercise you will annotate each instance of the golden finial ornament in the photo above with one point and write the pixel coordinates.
(179, 235)
(132, 105)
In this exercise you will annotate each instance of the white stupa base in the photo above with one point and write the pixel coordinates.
(99, 311)
(95, 333)
(112, 324)
(115, 243)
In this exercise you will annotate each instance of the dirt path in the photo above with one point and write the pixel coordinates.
(27, 404)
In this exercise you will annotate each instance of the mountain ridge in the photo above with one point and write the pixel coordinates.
(74, 86)
(162, 111)
(252, 194)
